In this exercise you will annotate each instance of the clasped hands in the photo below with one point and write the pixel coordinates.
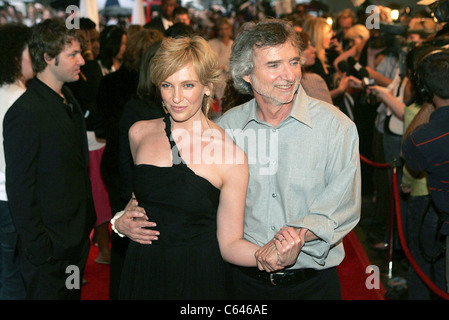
(282, 251)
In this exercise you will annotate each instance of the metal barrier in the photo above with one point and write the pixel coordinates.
(395, 211)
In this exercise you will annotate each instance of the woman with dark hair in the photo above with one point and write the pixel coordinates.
(112, 48)
(115, 90)
(144, 105)
(15, 71)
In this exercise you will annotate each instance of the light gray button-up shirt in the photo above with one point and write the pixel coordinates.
(305, 172)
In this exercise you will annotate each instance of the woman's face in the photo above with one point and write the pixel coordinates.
(183, 94)
(309, 55)
(328, 34)
(27, 66)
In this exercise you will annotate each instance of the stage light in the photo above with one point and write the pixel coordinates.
(394, 14)
(329, 21)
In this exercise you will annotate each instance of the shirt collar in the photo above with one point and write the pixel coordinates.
(42, 87)
(439, 112)
(50, 93)
(299, 111)
(167, 23)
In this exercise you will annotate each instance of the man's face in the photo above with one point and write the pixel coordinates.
(345, 24)
(167, 7)
(65, 67)
(225, 31)
(183, 18)
(94, 39)
(414, 37)
(276, 75)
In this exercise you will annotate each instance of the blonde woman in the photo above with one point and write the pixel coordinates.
(321, 34)
(191, 180)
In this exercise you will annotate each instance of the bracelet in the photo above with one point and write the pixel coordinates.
(117, 215)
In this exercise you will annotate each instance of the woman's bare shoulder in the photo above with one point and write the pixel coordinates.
(144, 127)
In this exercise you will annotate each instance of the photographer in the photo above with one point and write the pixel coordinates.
(376, 64)
(426, 141)
(383, 66)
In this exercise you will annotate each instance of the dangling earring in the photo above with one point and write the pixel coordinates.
(164, 107)
(207, 105)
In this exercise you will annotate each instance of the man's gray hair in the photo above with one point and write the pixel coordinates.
(266, 33)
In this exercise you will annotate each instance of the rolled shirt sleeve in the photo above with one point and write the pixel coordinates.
(336, 210)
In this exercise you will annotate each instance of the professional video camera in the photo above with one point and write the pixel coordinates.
(440, 11)
(387, 36)
(391, 36)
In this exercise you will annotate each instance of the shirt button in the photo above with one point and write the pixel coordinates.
(274, 195)
(274, 129)
(273, 227)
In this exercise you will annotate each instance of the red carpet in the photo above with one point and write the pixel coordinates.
(97, 277)
(351, 271)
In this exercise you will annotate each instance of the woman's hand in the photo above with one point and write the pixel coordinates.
(354, 82)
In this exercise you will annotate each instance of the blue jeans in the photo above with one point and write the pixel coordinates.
(425, 246)
(11, 283)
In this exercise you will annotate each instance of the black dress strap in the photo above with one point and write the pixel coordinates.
(176, 156)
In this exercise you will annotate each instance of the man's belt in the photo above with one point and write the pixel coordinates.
(284, 277)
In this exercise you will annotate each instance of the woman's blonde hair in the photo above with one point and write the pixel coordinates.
(136, 46)
(315, 27)
(175, 53)
(359, 30)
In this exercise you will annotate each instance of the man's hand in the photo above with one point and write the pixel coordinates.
(267, 257)
(131, 224)
(288, 244)
(280, 252)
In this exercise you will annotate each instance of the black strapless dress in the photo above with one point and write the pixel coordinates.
(185, 263)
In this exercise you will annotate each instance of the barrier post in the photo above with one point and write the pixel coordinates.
(391, 225)
(395, 210)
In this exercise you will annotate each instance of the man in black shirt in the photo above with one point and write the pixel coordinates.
(47, 180)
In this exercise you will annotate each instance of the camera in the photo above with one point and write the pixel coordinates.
(367, 82)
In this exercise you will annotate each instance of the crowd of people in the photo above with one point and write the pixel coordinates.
(189, 139)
